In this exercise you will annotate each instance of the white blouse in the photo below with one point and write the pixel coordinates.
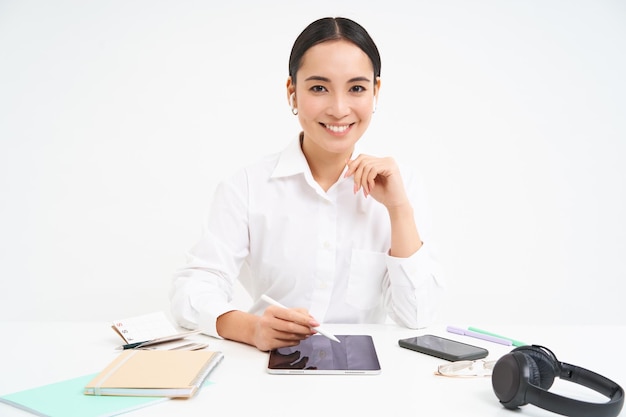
(273, 227)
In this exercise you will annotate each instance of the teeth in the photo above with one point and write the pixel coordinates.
(337, 129)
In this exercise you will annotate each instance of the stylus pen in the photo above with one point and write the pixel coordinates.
(317, 329)
(513, 341)
(464, 332)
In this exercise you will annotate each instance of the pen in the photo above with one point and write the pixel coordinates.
(133, 345)
(513, 341)
(317, 329)
(478, 335)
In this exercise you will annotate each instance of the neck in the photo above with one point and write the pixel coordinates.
(325, 166)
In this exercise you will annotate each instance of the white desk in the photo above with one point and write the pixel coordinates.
(33, 354)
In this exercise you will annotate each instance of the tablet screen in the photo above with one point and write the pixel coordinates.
(355, 354)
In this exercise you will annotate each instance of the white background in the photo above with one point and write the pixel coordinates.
(118, 118)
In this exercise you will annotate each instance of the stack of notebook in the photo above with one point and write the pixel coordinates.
(134, 379)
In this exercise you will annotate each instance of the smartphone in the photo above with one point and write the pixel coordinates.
(443, 348)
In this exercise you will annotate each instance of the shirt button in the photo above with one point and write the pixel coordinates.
(326, 245)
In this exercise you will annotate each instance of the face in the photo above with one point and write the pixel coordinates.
(335, 95)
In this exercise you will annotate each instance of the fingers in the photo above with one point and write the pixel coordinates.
(367, 170)
(280, 327)
(379, 178)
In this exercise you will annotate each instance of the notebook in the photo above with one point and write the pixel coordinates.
(66, 399)
(155, 373)
(356, 354)
(155, 332)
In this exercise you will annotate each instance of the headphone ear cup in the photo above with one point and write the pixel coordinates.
(509, 379)
(545, 365)
(534, 373)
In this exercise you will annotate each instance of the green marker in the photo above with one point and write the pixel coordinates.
(513, 341)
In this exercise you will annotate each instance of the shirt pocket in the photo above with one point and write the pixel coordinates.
(365, 281)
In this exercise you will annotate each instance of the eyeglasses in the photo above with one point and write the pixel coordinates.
(466, 368)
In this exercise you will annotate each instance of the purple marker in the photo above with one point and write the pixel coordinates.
(464, 332)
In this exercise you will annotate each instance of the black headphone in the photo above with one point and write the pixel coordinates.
(524, 375)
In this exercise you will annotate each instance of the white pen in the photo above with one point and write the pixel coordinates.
(317, 329)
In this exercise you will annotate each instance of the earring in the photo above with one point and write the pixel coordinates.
(294, 109)
(374, 109)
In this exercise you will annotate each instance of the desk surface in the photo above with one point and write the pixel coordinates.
(38, 353)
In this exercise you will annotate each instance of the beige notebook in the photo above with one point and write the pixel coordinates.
(155, 373)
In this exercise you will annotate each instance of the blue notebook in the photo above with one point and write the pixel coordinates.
(66, 399)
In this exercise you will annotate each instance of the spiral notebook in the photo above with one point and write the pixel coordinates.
(153, 331)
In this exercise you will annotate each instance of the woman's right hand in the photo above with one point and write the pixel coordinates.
(280, 327)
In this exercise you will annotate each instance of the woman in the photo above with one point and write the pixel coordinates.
(337, 234)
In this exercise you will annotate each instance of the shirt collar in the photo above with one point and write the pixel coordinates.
(291, 161)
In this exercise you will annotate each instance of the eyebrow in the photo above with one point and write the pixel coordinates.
(351, 80)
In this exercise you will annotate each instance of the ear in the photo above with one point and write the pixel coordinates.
(291, 89)
(376, 88)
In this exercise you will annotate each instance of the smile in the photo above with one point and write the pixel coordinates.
(337, 128)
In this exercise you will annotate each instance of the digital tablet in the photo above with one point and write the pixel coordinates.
(355, 354)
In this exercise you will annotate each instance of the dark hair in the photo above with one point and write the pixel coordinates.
(332, 28)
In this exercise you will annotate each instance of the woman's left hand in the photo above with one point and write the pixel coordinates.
(379, 178)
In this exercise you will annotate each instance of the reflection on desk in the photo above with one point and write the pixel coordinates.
(40, 353)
